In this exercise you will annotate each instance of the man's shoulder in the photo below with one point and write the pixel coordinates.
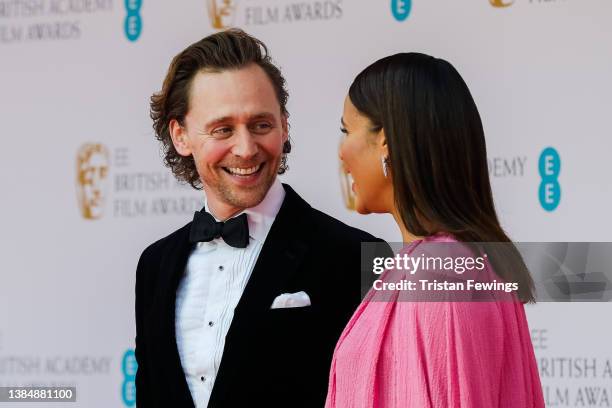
(161, 245)
(333, 228)
(324, 225)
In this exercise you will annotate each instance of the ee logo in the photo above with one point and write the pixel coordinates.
(401, 9)
(129, 366)
(549, 166)
(133, 22)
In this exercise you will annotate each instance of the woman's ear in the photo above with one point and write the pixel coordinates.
(179, 138)
(382, 143)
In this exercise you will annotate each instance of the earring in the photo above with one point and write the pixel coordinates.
(383, 161)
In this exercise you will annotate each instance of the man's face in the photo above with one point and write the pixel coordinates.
(235, 132)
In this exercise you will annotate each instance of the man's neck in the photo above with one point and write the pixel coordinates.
(222, 211)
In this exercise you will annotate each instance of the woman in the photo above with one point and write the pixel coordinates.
(415, 148)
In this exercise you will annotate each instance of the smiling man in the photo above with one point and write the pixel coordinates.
(241, 307)
(235, 133)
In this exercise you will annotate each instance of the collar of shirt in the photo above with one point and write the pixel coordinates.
(261, 217)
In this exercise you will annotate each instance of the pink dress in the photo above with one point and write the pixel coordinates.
(435, 354)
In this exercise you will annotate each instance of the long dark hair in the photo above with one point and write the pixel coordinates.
(437, 154)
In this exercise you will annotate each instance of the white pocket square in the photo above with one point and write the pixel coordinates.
(287, 300)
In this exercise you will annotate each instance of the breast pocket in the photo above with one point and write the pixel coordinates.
(290, 315)
(289, 326)
(290, 341)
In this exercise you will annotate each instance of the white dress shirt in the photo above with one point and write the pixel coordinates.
(215, 277)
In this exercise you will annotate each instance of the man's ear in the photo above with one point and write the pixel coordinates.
(179, 138)
(285, 126)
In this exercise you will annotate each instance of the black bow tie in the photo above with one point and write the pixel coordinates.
(235, 231)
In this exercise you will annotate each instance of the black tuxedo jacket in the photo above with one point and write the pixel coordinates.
(272, 357)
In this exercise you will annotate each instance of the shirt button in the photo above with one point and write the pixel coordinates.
(203, 378)
(210, 324)
(221, 267)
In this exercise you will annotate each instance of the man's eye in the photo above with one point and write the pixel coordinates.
(261, 127)
(222, 132)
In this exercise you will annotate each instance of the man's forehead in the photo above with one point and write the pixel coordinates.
(234, 107)
(250, 78)
(244, 85)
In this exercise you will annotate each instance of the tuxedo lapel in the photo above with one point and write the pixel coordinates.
(283, 251)
(172, 268)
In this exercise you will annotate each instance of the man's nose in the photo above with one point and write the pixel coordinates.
(245, 146)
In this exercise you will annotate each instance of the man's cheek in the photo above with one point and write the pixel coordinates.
(212, 155)
(274, 148)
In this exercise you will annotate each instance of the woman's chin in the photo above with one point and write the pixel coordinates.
(370, 208)
(361, 208)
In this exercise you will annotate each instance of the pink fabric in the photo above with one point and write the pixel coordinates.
(435, 354)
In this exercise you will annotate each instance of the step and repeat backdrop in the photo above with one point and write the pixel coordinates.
(84, 190)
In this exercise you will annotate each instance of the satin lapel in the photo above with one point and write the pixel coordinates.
(284, 249)
(172, 268)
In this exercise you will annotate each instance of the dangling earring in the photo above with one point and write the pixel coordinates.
(383, 161)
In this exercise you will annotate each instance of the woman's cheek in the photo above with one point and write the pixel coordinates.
(348, 152)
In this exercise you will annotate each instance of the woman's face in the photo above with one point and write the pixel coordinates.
(361, 152)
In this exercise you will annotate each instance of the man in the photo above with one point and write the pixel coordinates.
(243, 306)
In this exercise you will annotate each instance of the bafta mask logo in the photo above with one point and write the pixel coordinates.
(92, 172)
(222, 13)
(501, 3)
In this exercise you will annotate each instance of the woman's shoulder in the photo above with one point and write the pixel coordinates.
(460, 317)
(441, 236)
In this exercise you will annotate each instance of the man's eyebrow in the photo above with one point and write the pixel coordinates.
(262, 115)
(223, 119)
(217, 121)
(342, 121)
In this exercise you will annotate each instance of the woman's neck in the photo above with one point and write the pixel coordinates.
(407, 236)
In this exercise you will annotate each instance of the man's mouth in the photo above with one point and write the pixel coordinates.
(244, 171)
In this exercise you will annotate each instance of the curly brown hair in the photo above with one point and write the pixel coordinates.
(226, 50)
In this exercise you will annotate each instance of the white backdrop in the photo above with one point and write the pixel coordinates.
(76, 76)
